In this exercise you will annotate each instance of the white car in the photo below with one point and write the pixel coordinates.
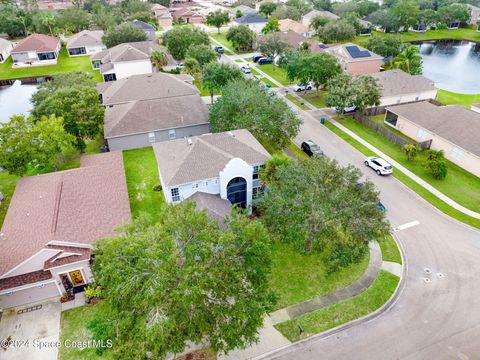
(380, 166)
(303, 87)
(246, 69)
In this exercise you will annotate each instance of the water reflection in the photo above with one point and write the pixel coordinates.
(15, 99)
(453, 65)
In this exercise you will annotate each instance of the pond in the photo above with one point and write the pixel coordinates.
(453, 65)
(15, 100)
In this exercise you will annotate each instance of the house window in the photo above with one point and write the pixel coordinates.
(109, 77)
(96, 64)
(457, 153)
(1, 58)
(175, 194)
(151, 137)
(171, 134)
(46, 56)
(421, 134)
(77, 51)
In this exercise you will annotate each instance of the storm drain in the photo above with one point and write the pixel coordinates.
(29, 309)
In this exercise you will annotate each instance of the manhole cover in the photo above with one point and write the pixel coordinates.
(440, 275)
(427, 280)
(427, 271)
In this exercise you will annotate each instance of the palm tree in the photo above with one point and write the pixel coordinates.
(159, 59)
(409, 61)
(48, 20)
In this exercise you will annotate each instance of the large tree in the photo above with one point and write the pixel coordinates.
(316, 205)
(216, 75)
(202, 53)
(338, 31)
(271, 26)
(184, 280)
(318, 68)
(409, 60)
(385, 20)
(406, 12)
(123, 33)
(273, 45)
(218, 19)
(246, 105)
(74, 19)
(387, 46)
(26, 143)
(318, 22)
(180, 38)
(241, 36)
(286, 12)
(267, 8)
(454, 13)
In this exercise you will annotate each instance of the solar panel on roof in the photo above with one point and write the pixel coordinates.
(355, 52)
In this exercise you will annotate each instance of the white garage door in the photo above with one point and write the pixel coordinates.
(27, 296)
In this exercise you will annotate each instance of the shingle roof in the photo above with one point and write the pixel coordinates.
(144, 87)
(38, 43)
(397, 82)
(217, 208)
(453, 123)
(291, 25)
(314, 13)
(86, 38)
(244, 9)
(252, 18)
(140, 50)
(341, 52)
(143, 25)
(79, 206)
(295, 40)
(180, 162)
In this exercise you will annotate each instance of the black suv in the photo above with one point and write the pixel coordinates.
(311, 149)
(219, 49)
(256, 58)
(265, 60)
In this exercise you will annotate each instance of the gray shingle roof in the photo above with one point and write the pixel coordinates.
(217, 208)
(86, 38)
(397, 82)
(252, 18)
(453, 123)
(181, 162)
(127, 52)
(143, 25)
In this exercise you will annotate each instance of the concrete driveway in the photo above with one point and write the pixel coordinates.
(33, 335)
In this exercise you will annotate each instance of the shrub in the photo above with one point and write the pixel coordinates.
(438, 168)
(411, 151)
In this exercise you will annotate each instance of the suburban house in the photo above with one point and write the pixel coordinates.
(86, 42)
(148, 29)
(36, 49)
(223, 164)
(356, 60)
(474, 14)
(294, 26)
(5, 49)
(398, 87)
(242, 9)
(144, 109)
(453, 129)
(163, 16)
(187, 16)
(51, 224)
(295, 40)
(124, 60)
(253, 21)
(307, 18)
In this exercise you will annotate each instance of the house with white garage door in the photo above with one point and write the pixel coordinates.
(224, 164)
(51, 224)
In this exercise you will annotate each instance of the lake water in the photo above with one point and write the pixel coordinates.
(452, 65)
(15, 100)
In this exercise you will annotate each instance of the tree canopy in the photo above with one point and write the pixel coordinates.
(202, 53)
(217, 19)
(123, 33)
(241, 36)
(215, 75)
(387, 46)
(273, 45)
(409, 61)
(180, 38)
(183, 279)
(271, 26)
(245, 104)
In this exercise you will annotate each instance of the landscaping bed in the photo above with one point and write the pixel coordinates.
(141, 171)
(64, 64)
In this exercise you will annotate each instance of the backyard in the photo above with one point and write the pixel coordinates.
(142, 177)
(451, 98)
(64, 64)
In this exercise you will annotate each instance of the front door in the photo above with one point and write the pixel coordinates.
(77, 277)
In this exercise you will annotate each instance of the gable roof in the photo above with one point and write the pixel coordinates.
(344, 53)
(244, 9)
(291, 25)
(252, 18)
(86, 38)
(38, 43)
(185, 12)
(143, 25)
(216, 207)
(397, 82)
(201, 157)
(79, 206)
(144, 87)
(454, 123)
(295, 40)
(314, 13)
(132, 51)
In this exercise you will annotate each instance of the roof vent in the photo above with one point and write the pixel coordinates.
(231, 134)
(189, 141)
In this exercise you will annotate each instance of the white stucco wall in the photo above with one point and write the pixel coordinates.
(406, 98)
(83, 266)
(236, 167)
(129, 68)
(210, 186)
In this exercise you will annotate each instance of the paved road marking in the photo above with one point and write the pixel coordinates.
(406, 226)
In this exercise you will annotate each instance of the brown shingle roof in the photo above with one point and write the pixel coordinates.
(78, 206)
(24, 279)
(181, 162)
(397, 82)
(292, 25)
(38, 43)
(453, 123)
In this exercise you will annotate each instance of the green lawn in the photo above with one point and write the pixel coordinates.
(451, 98)
(73, 327)
(221, 38)
(296, 277)
(331, 316)
(142, 176)
(315, 98)
(266, 81)
(390, 250)
(276, 73)
(7, 187)
(296, 102)
(428, 196)
(460, 185)
(239, 60)
(410, 36)
(203, 92)
(64, 64)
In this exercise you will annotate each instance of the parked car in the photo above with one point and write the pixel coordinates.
(380, 166)
(311, 149)
(347, 109)
(303, 87)
(219, 49)
(256, 58)
(246, 69)
(265, 60)
(180, 66)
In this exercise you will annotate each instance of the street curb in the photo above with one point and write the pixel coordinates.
(369, 317)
